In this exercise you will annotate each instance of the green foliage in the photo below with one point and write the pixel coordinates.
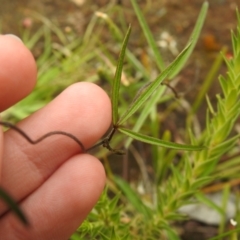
(159, 142)
(135, 200)
(157, 95)
(149, 36)
(65, 59)
(144, 93)
(117, 79)
(106, 221)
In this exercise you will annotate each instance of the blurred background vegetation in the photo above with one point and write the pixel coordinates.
(80, 40)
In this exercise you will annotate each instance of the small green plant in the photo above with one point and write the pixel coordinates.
(141, 97)
(175, 185)
(107, 221)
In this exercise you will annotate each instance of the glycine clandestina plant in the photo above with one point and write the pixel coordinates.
(195, 168)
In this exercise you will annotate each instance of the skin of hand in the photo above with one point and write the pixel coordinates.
(55, 184)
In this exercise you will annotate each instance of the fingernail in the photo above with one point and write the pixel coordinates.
(14, 36)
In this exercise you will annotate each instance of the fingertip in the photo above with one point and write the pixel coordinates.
(97, 105)
(18, 71)
(1, 152)
(12, 36)
(85, 175)
(69, 194)
(90, 107)
(94, 177)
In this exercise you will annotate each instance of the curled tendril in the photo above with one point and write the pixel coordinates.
(171, 88)
(21, 132)
(104, 142)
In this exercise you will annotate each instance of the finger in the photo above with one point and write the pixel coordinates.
(83, 109)
(18, 71)
(1, 153)
(57, 208)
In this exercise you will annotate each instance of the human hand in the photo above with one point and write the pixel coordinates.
(55, 185)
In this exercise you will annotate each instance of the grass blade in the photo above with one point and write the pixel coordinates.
(202, 198)
(208, 81)
(117, 78)
(159, 142)
(148, 35)
(117, 34)
(148, 91)
(13, 206)
(132, 197)
(193, 39)
(230, 233)
(145, 113)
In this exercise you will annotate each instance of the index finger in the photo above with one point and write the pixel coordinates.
(18, 71)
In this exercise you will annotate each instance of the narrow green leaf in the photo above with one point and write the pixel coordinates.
(230, 233)
(210, 107)
(193, 39)
(60, 34)
(149, 90)
(159, 142)
(117, 78)
(126, 237)
(193, 140)
(148, 35)
(225, 146)
(171, 233)
(145, 112)
(207, 201)
(104, 237)
(224, 85)
(178, 179)
(208, 81)
(200, 182)
(132, 196)
(117, 34)
(13, 205)
(113, 203)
